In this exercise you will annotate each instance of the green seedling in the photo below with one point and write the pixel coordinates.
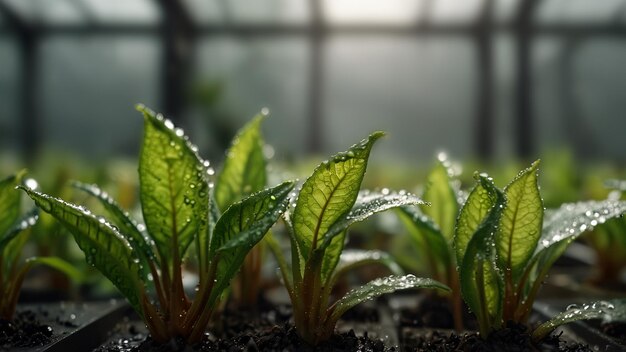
(328, 203)
(431, 229)
(243, 173)
(609, 243)
(506, 245)
(145, 261)
(14, 233)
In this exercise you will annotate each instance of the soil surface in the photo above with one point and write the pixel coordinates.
(513, 338)
(25, 330)
(266, 329)
(434, 312)
(277, 338)
(615, 330)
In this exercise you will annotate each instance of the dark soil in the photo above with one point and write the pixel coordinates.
(434, 312)
(277, 338)
(362, 313)
(615, 330)
(25, 330)
(265, 329)
(513, 338)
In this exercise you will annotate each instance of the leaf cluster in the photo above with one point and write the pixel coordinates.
(14, 234)
(505, 246)
(329, 202)
(179, 209)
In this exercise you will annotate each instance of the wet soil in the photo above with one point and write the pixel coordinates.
(25, 330)
(265, 329)
(513, 338)
(615, 330)
(278, 338)
(434, 312)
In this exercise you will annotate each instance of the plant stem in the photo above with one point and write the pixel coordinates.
(455, 299)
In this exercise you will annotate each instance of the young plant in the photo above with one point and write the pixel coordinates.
(178, 210)
(243, 173)
(328, 203)
(14, 233)
(432, 231)
(505, 247)
(609, 243)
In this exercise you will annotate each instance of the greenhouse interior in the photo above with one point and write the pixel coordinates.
(312, 175)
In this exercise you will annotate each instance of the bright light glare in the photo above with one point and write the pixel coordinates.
(31, 183)
(371, 11)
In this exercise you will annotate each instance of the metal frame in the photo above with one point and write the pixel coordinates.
(179, 33)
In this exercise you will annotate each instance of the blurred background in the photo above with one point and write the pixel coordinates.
(482, 79)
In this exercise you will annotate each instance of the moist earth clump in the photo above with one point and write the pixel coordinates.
(25, 330)
(514, 338)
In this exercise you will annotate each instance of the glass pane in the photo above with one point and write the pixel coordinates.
(504, 10)
(600, 91)
(421, 91)
(268, 11)
(89, 87)
(206, 11)
(372, 11)
(575, 11)
(251, 75)
(9, 93)
(123, 11)
(48, 12)
(455, 11)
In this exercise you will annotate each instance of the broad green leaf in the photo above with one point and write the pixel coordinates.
(328, 194)
(478, 204)
(481, 281)
(241, 227)
(243, 172)
(380, 287)
(521, 222)
(173, 186)
(104, 247)
(60, 265)
(597, 310)
(9, 202)
(427, 237)
(563, 226)
(440, 194)
(367, 204)
(129, 228)
(354, 258)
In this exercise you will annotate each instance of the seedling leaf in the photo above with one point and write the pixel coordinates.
(173, 186)
(597, 310)
(380, 287)
(9, 201)
(367, 204)
(329, 193)
(478, 204)
(242, 226)
(440, 194)
(481, 282)
(354, 258)
(128, 226)
(427, 237)
(521, 222)
(563, 226)
(243, 172)
(104, 247)
(60, 265)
